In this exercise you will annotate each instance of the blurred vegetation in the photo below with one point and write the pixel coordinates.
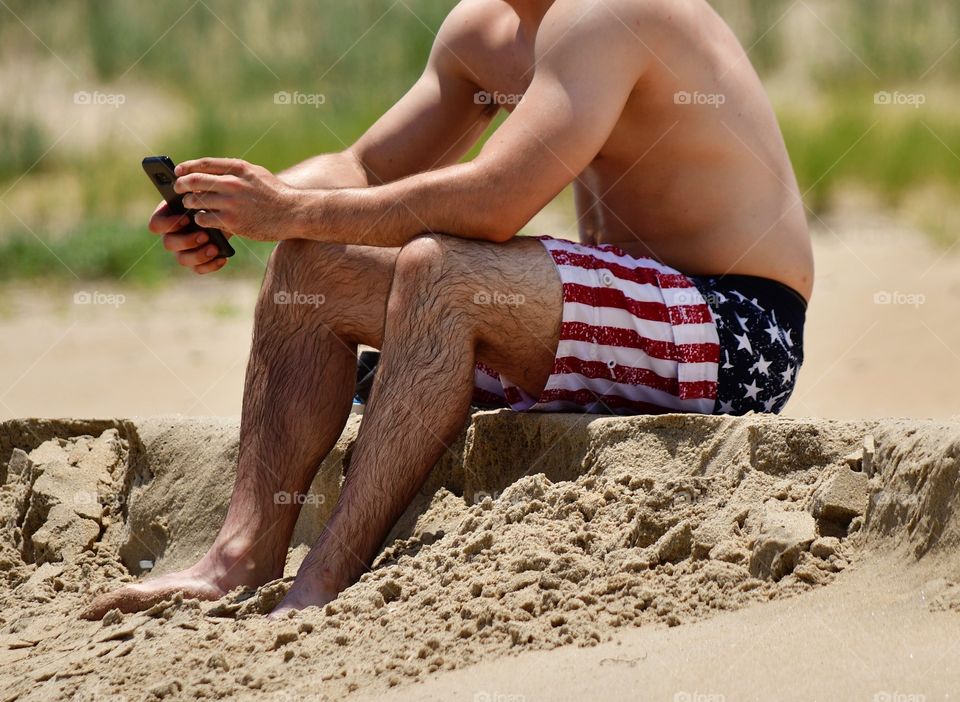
(199, 77)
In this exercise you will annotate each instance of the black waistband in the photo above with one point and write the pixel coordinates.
(763, 286)
(771, 294)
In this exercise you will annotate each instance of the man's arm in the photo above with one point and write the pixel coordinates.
(433, 125)
(587, 65)
(326, 171)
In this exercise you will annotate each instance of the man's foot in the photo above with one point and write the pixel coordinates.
(213, 576)
(302, 595)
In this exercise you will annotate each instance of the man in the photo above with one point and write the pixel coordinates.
(688, 292)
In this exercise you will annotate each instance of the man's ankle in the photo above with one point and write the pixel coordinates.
(243, 561)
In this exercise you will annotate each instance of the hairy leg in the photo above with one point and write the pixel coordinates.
(316, 304)
(452, 302)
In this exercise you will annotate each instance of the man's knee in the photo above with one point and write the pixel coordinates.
(289, 261)
(439, 257)
(294, 289)
(419, 255)
(426, 268)
(338, 287)
(434, 277)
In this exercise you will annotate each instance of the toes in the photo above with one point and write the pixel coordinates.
(135, 598)
(127, 600)
(100, 606)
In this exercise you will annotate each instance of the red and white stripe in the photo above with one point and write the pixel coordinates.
(636, 337)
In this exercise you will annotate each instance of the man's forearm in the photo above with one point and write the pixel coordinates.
(335, 170)
(456, 200)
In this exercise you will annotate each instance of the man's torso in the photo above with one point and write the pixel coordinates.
(695, 173)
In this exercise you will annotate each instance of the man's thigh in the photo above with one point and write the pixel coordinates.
(517, 296)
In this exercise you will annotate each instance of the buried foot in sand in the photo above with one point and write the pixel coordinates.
(213, 576)
(302, 595)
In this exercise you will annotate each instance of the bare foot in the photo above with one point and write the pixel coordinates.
(300, 596)
(212, 577)
(140, 596)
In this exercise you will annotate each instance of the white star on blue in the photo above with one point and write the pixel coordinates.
(762, 366)
(743, 342)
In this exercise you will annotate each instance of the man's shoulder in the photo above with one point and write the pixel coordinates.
(641, 20)
(471, 19)
(623, 23)
(495, 21)
(472, 29)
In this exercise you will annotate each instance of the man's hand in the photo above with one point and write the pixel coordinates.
(186, 241)
(238, 197)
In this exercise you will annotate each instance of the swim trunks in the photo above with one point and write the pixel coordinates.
(639, 337)
(760, 325)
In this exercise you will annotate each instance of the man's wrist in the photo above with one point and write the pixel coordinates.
(305, 214)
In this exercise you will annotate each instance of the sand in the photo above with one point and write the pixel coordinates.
(554, 557)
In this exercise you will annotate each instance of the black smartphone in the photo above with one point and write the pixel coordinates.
(160, 171)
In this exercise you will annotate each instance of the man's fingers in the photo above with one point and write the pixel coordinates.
(204, 201)
(191, 258)
(162, 222)
(214, 166)
(211, 267)
(206, 183)
(211, 220)
(185, 241)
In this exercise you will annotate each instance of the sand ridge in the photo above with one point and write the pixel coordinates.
(620, 523)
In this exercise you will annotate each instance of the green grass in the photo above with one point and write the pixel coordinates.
(23, 145)
(893, 153)
(110, 250)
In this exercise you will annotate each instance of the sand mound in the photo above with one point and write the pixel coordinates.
(533, 533)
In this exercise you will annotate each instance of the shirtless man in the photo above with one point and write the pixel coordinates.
(688, 292)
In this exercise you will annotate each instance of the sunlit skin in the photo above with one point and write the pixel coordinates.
(650, 108)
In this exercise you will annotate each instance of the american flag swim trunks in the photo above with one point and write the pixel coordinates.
(637, 337)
